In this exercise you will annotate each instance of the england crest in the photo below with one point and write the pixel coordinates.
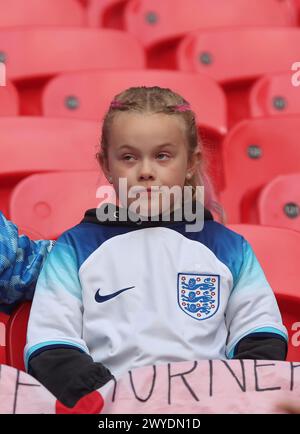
(198, 294)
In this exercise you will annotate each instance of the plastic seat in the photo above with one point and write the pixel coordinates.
(16, 331)
(274, 95)
(279, 202)
(106, 13)
(44, 52)
(9, 100)
(34, 144)
(281, 267)
(34, 56)
(254, 152)
(31, 145)
(250, 53)
(51, 203)
(161, 24)
(88, 94)
(41, 13)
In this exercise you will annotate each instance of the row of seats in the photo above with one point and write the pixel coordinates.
(254, 53)
(86, 94)
(151, 20)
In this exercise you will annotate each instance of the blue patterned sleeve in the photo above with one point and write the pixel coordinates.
(21, 260)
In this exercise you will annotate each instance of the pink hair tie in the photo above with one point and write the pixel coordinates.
(116, 104)
(182, 107)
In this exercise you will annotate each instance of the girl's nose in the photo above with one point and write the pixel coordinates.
(146, 171)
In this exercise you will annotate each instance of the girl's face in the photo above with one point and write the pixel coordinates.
(149, 150)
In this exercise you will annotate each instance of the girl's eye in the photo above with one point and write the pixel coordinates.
(127, 157)
(162, 155)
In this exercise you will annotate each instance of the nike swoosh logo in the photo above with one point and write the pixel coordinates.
(102, 298)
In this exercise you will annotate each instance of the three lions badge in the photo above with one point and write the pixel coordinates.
(198, 294)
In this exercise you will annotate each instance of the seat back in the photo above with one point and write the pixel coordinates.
(254, 52)
(51, 203)
(276, 95)
(35, 144)
(88, 94)
(16, 13)
(45, 52)
(254, 152)
(279, 202)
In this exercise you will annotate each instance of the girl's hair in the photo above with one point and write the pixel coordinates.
(160, 100)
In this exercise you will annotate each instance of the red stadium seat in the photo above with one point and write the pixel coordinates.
(51, 203)
(275, 95)
(9, 100)
(106, 13)
(279, 202)
(16, 331)
(249, 54)
(36, 55)
(41, 13)
(31, 145)
(281, 267)
(37, 144)
(161, 24)
(254, 152)
(88, 95)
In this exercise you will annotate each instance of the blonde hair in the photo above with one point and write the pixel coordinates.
(161, 100)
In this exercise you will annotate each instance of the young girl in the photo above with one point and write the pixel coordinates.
(119, 294)
(21, 260)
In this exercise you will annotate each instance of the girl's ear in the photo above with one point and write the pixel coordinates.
(103, 162)
(194, 161)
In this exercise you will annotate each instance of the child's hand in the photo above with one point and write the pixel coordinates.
(88, 404)
(289, 407)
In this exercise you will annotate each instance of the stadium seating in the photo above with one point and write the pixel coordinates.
(254, 152)
(87, 94)
(39, 54)
(279, 202)
(51, 203)
(106, 14)
(276, 95)
(237, 57)
(9, 100)
(41, 13)
(278, 251)
(31, 145)
(161, 24)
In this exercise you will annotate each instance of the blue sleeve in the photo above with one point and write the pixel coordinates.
(21, 260)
